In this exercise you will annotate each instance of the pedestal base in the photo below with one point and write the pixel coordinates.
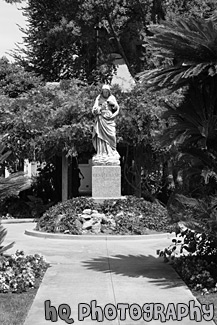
(106, 182)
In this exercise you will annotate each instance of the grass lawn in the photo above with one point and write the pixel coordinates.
(208, 299)
(14, 307)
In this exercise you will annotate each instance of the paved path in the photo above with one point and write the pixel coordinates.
(109, 272)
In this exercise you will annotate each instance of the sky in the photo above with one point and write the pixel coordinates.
(10, 16)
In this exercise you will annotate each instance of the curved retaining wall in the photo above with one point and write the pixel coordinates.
(40, 234)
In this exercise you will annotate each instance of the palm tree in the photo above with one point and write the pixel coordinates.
(193, 122)
(189, 51)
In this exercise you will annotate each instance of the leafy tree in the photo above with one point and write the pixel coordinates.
(137, 126)
(49, 120)
(14, 80)
(188, 9)
(57, 118)
(74, 39)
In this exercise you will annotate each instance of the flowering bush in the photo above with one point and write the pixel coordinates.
(194, 257)
(18, 272)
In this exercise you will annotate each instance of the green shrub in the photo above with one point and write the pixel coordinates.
(15, 206)
(30, 207)
(18, 272)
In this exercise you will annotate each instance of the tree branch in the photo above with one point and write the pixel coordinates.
(120, 48)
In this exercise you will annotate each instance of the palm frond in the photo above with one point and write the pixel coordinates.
(204, 156)
(3, 233)
(193, 44)
(193, 122)
(4, 156)
(14, 184)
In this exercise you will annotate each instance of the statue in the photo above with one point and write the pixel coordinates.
(105, 110)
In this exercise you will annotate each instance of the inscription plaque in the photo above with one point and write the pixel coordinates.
(106, 182)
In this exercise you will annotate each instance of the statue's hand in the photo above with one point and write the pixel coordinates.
(107, 114)
(98, 110)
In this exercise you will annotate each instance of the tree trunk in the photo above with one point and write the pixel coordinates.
(138, 170)
(126, 168)
(157, 11)
(58, 178)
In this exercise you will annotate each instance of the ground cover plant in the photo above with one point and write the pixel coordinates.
(124, 216)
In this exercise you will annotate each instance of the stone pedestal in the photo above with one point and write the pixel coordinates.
(106, 183)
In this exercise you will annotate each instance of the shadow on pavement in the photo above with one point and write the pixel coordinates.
(154, 269)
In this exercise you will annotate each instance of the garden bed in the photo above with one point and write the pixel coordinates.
(193, 255)
(200, 276)
(81, 216)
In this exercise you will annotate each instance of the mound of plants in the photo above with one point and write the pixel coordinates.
(124, 216)
(194, 257)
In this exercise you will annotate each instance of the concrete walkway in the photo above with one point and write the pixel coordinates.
(109, 272)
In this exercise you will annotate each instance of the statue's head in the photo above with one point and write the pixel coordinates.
(106, 91)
